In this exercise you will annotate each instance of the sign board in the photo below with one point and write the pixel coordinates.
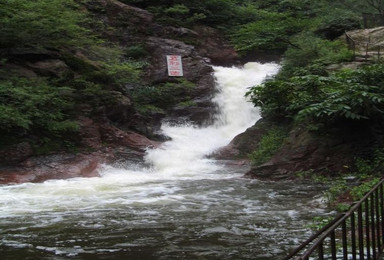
(175, 66)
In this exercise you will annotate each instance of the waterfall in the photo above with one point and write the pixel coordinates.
(185, 153)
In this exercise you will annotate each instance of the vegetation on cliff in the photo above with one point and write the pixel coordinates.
(64, 59)
(55, 66)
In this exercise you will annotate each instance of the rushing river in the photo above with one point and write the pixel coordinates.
(176, 205)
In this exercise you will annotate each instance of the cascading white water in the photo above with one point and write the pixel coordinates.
(185, 152)
(184, 206)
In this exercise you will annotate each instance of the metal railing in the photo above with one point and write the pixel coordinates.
(357, 234)
(364, 47)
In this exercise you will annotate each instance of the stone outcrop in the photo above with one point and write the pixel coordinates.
(245, 143)
(58, 166)
(303, 151)
(109, 144)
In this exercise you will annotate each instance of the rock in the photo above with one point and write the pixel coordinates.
(59, 166)
(52, 67)
(118, 107)
(245, 143)
(89, 133)
(115, 136)
(212, 44)
(19, 70)
(330, 154)
(124, 21)
(16, 153)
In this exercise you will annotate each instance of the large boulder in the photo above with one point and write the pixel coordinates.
(245, 143)
(58, 166)
(329, 153)
(212, 44)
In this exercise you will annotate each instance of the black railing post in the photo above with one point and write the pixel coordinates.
(378, 224)
(373, 228)
(367, 235)
(333, 245)
(344, 240)
(361, 234)
(353, 236)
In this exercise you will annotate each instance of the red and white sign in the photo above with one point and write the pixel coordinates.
(175, 66)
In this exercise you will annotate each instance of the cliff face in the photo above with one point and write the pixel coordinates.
(115, 127)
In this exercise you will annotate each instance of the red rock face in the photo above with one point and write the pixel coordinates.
(63, 166)
(108, 142)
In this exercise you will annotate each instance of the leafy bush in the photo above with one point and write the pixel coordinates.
(162, 97)
(34, 106)
(335, 22)
(268, 145)
(271, 31)
(48, 23)
(353, 95)
(313, 54)
(136, 52)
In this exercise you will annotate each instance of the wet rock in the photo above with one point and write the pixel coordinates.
(245, 143)
(59, 166)
(16, 153)
(89, 133)
(115, 136)
(330, 153)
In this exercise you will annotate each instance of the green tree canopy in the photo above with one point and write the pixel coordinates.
(48, 23)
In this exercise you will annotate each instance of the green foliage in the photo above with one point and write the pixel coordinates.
(335, 22)
(352, 95)
(320, 221)
(348, 95)
(271, 31)
(310, 54)
(358, 192)
(162, 97)
(33, 106)
(44, 23)
(123, 72)
(268, 145)
(217, 13)
(338, 187)
(136, 52)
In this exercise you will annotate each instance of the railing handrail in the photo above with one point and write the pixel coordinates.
(326, 231)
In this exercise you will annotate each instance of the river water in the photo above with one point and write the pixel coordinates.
(177, 204)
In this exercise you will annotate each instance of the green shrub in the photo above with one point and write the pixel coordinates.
(313, 53)
(34, 105)
(271, 31)
(351, 95)
(163, 96)
(136, 52)
(268, 145)
(44, 23)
